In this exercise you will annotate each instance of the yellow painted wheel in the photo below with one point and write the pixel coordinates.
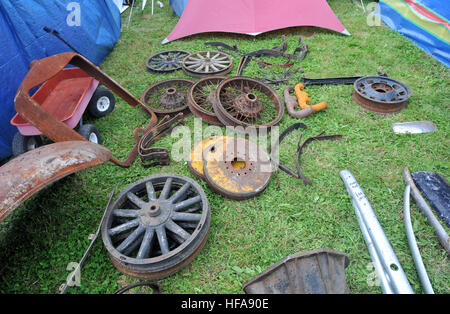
(236, 168)
(195, 162)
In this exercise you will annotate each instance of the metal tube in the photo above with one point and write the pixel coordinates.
(426, 284)
(425, 209)
(383, 249)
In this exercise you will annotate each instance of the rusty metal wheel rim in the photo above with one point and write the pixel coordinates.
(270, 106)
(163, 91)
(166, 61)
(207, 63)
(202, 97)
(380, 94)
(157, 226)
(248, 179)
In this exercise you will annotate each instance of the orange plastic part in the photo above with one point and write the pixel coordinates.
(304, 100)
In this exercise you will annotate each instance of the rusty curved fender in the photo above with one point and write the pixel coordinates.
(27, 174)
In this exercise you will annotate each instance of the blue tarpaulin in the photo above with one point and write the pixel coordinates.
(91, 27)
(178, 6)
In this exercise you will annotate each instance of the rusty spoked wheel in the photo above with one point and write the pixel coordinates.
(157, 226)
(236, 168)
(380, 94)
(243, 101)
(202, 97)
(166, 61)
(168, 96)
(207, 63)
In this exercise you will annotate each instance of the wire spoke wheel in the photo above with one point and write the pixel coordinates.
(202, 98)
(207, 63)
(166, 61)
(168, 96)
(157, 226)
(242, 101)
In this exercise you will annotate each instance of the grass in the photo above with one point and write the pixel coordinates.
(51, 229)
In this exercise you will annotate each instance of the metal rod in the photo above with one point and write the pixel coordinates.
(67, 286)
(443, 237)
(395, 276)
(426, 284)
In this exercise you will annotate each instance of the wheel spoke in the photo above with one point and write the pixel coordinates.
(187, 203)
(144, 250)
(186, 217)
(180, 192)
(123, 227)
(170, 225)
(135, 200)
(127, 213)
(130, 239)
(150, 191)
(162, 239)
(166, 189)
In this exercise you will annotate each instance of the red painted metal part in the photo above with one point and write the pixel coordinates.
(43, 70)
(29, 173)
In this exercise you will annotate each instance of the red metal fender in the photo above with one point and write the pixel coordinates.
(29, 173)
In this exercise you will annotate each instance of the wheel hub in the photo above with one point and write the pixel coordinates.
(247, 105)
(155, 213)
(172, 99)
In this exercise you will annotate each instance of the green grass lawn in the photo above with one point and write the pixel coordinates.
(51, 229)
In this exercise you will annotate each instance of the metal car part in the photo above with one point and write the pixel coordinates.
(442, 235)
(202, 97)
(207, 63)
(168, 96)
(392, 277)
(320, 271)
(166, 61)
(152, 156)
(157, 226)
(29, 173)
(243, 101)
(380, 94)
(415, 127)
(236, 168)
(195, 162)
(44, 69)
(426, 284)
(77, 270)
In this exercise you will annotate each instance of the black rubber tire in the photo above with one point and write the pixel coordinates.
(93, 107)
(22, 144)
(86, 130)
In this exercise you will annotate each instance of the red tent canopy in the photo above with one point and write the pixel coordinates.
(253, 17)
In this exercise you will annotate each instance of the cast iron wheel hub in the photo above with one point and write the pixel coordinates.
(380, 94)
(168, 96)
(247, 105)
(156, 226)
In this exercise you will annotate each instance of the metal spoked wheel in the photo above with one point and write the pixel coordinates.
(166, 61)
(206, 63)
(380, 94)
(168, 96)
(243, 101)
(157, 226)
(202, 97)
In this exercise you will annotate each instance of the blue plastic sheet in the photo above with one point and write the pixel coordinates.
(178, 6)
(23, 40)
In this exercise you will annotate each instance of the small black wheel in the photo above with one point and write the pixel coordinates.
(102, 103)
(91, 133)
(22, 144)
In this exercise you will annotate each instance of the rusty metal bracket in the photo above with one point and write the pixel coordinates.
(43, 70)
